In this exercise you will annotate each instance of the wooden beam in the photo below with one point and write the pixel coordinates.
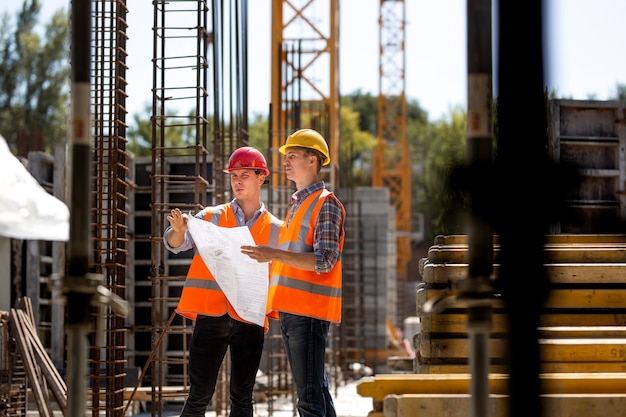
(559, 273)
(56, 384)
(30, 364)
(379, 386)
(458, 405)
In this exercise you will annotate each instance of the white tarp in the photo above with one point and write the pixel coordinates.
(27, 211)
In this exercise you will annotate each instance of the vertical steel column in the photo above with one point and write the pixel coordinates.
(477, 289)
(78, 288)
(526, 201)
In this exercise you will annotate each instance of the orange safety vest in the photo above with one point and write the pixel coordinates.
(201, 294)
(305, 293)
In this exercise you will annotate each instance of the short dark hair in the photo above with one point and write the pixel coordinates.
(320, 157)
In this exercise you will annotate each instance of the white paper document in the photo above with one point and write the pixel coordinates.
(243, 280)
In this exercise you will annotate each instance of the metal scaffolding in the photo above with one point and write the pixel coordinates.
(392, 161)
(196, 123)
(179, 172)
(107, 351)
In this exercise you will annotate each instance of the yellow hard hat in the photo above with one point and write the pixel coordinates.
(307, 138)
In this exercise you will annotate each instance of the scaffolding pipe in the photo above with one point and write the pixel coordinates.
(478, 288)
(76, 283)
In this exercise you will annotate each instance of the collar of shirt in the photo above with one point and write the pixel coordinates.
(240, 216)
(299, 196)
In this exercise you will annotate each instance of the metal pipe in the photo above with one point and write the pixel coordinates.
(76, 284)
(524, 222)
(78, 287)
(477, 289)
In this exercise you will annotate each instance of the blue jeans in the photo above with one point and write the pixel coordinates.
(305, 343)
(212, 336)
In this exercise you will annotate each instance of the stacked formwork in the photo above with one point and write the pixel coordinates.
(370, 286)
(590, 136)
(352, 329)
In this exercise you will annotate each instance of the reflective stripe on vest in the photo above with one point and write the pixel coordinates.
(201, 293)
(301, 292)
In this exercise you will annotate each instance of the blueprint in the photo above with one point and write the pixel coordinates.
(243, 280)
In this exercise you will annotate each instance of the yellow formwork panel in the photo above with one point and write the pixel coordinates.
(450, 405)
(557, 323)
(550, 350)
(549, 239)
(559, 273)
(380, 386)
(604, 252)
(583, 298)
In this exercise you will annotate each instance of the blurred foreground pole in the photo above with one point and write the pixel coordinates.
(80, 289)
(477, 290)
(78, 286)
(525, 194)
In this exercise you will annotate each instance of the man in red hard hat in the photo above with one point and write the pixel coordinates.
(217, 325)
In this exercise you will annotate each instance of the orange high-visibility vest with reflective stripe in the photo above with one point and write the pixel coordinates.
(300, 292)
(201, 294)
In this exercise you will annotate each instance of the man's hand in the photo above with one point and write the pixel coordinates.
(176, 235)
(178, 221)
(300, 260)
(258, 253)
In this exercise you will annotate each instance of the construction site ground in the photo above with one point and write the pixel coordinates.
(348, 403)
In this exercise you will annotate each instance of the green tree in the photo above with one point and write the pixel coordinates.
(366, 105)
(180, 133)
(436, 149)
(356, 148)
(140, 133)
(441, 149)
(34, 86)
(259, 134)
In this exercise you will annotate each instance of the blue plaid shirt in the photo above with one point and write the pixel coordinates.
(328, 228)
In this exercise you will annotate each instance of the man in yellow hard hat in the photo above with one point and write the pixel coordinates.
(306, 279)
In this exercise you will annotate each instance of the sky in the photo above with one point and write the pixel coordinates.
(585, 50)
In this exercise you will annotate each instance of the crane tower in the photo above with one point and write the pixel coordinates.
(305, 83)
(392, 165)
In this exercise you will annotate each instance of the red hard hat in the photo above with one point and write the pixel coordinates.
(247, 157)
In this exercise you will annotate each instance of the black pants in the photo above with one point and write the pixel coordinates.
(211, 338)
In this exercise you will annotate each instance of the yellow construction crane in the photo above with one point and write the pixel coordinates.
(392, 162)
(305, 82)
